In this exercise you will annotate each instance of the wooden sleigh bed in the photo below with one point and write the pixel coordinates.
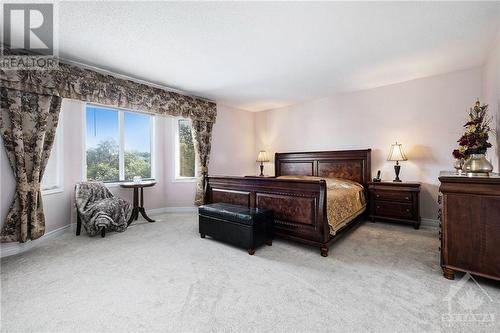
(299, 206)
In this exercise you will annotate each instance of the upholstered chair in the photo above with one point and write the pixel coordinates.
(98, 210)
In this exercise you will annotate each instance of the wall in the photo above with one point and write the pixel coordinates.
(233, 146)
(425, 115)
(491, 84)
(232, 153)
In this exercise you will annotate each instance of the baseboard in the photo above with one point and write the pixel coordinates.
(164, 210)
(10, 249)
(429, 222)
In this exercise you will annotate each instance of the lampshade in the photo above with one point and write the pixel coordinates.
(262, 157)
(397, 153)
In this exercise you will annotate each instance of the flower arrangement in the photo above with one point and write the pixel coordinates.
(477, 129)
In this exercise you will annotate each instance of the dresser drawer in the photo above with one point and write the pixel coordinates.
(393, 210)
(400, 196)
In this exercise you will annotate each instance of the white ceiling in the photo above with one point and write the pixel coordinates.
(258, 55)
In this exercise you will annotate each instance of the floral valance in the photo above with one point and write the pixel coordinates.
(69, 81)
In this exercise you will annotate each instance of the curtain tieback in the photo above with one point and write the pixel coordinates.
(26, 188)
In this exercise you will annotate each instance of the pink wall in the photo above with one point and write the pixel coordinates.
(491, 85)
(232, 153)
(233, 146)
(425, 115)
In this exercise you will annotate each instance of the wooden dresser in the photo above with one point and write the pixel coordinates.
(470, 225)
(395, 201)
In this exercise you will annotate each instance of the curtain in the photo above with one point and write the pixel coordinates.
(28, 123)
(68, 81)
(202, 141)
(30, 107)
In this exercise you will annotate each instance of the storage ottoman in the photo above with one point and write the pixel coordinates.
(238, 225)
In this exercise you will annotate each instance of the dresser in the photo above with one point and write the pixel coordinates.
(470, 225)
(395, 201)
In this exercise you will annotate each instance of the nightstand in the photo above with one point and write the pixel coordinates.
(394, 201)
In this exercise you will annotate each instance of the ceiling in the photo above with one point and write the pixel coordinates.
(257, 55)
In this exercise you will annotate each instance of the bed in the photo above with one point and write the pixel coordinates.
(299, 202)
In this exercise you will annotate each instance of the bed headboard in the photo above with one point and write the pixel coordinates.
(347, 164)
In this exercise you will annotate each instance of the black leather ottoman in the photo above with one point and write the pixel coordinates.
(238, 225)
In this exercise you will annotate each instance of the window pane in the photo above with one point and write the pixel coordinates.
(186, 150)
(137, 145)
(102, 144)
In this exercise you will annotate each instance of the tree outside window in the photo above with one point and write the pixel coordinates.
(186, 149)
(118, 144)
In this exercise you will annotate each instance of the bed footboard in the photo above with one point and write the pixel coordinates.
(299, 206)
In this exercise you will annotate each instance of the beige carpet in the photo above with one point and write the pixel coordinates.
(164, 277)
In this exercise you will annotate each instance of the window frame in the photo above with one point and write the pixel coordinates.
(121, 142)
(176, 167)
(57, 149)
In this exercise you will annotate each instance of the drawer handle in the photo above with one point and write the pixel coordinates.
(378, 195)
(378, 207)
(407, 209)
(407, 198)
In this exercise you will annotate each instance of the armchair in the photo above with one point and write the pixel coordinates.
(99, 210)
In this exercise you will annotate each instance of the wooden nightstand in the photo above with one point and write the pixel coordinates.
(395, 202)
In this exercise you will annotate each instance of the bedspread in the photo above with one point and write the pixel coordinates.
(345, 200)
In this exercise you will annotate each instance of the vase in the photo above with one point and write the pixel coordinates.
(477, 165)
(459, 162)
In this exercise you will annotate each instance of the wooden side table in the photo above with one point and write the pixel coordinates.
(138, 208)
(395, 202)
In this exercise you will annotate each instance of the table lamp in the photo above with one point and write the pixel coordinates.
(397, 154)
(262, 157)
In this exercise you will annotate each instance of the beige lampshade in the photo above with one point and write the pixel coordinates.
(262, 157)
(397, 153)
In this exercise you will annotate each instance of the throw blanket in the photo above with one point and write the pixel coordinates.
(99, 208)
(345, 200)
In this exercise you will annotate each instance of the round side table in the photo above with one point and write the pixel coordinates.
(139, 206)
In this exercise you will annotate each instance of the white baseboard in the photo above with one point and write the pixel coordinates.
(10, 249)
(164, 210)
(430, 222)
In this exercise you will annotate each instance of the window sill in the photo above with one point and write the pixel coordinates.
(184, 179)
(117, 184)
(112, 184)
(52, 191)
